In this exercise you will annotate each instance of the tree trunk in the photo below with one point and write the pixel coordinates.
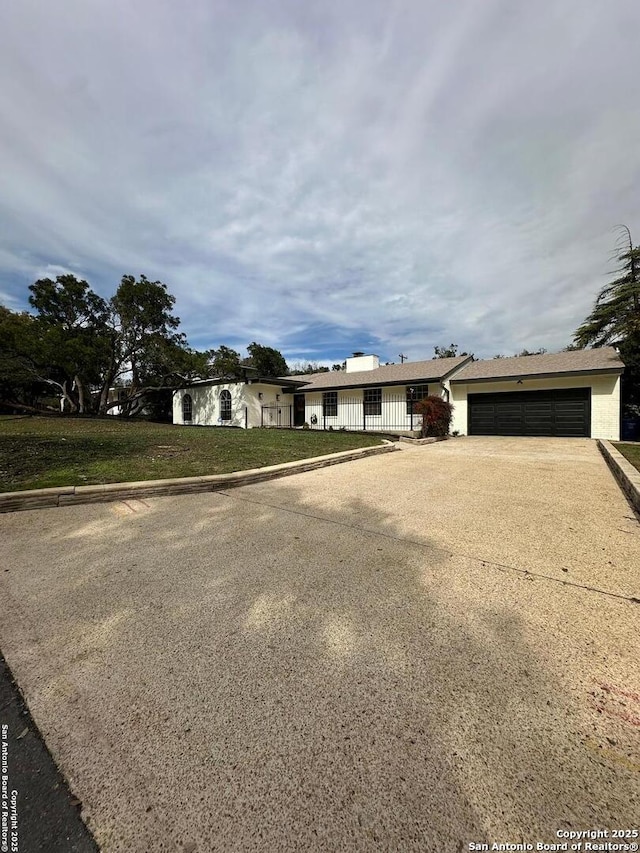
(66, 395)
(84, 400)
(103, 403)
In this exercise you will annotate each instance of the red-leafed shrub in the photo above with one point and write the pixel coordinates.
(436, 415)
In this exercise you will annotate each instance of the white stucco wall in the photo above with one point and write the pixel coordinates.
(246, 405)
(605, 399)
(278, 406)
(206, 404)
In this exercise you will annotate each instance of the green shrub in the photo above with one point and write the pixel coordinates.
(436, 416)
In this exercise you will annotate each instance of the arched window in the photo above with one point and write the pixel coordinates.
(187, 408)
(225, 405)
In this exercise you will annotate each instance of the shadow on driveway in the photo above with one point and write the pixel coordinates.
(226, 672)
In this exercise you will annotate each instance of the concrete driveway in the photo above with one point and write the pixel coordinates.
(411, 652)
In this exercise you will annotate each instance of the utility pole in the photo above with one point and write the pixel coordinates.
(402, 357)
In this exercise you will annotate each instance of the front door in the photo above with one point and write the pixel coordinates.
(298, 410)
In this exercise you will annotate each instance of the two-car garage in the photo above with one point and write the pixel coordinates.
(574, 394)
(563, 412)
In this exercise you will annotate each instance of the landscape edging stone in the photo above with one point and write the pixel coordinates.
(101, 493)
(627, 476)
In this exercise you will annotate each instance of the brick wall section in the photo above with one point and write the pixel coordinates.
(605, 399)
(605, 408)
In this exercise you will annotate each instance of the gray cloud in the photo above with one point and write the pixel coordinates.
(400, 174)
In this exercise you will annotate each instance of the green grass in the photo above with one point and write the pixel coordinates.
(630, 452)
(38, 452)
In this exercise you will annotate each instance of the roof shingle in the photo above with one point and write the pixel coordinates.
(600, 359)
(433, 370)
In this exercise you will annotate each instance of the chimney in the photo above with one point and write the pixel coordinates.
(359, 361)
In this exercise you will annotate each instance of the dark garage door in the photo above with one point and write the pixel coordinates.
(560, 413)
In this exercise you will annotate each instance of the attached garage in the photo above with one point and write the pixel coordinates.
(565, 412)
(568, 394)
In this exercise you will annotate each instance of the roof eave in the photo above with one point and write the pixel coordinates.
(553, 375)
(379, 384)
(205, 383)
(273, 380)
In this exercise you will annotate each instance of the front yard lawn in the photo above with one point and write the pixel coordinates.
(630, 452)
(38, 452)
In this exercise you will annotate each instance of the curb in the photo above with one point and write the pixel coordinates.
(627, 476)
(71, 495)
(430, 440)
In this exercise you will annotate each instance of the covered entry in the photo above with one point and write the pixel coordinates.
(554, 413)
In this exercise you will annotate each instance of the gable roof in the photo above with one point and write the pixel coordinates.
(433, 370)
(598, 360)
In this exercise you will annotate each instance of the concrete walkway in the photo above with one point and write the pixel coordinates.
(409, 652)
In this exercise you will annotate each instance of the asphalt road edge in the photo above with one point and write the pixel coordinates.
(47, 815)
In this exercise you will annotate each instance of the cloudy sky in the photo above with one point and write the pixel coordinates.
(324, 177)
